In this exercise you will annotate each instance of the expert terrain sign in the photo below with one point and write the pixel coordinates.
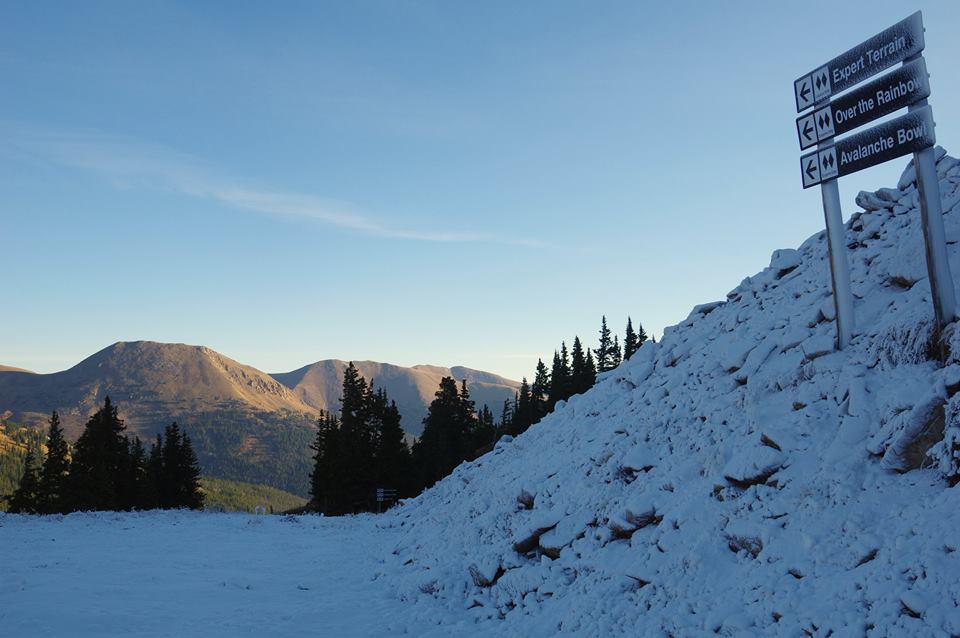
(882, 51)
(902, 87)
(906, 134)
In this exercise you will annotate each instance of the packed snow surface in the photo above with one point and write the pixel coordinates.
(738, 478)
(192, 574)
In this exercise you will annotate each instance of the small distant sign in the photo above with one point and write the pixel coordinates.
(895, 44)
(906, 134)
(386, 494)
(902, 87)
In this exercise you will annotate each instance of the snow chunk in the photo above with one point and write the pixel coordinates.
(639, 459)
(753, 466)
(922, 428)
(785, 260)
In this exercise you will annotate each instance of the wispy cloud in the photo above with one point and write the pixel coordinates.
(131, 163)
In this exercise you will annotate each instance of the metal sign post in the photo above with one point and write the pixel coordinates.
(839, 268)
(934, 240)
(907, 86)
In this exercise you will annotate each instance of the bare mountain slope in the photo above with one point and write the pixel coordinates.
(4, 368)
(319, 385)
(146, 380)
(245, 425)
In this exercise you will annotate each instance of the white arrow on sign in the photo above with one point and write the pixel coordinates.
(803, 92)
(810, 169)
(807, 131)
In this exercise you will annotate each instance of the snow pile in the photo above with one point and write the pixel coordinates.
(739, 478)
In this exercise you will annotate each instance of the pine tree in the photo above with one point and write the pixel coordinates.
(560, 377)
(28, 498)
(445, 441)
(605, 349)
(581, 377)
(169, 471)
(540, 391)
(505, 425)
(392, 457)
(486, 434)
(190, 491)
(325, 489)
(357, 473)
(641, 336)
(56, 468)
(631, 342)
(99, 460)
(523, 410)
(180, 472)
(616, 355)
(148, 496)
(135, 472)
(591, 368)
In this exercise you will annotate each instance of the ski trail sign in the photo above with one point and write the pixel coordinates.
(902, 87)
(907, 86)
(892, 45)
(906, 134)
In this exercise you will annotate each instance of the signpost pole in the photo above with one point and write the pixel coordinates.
(839, 269)
(934, 241)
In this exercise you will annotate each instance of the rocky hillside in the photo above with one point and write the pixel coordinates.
(738, 478)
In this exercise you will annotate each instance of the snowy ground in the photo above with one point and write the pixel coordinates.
(193, 574)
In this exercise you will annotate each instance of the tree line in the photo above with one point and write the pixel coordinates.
(363, 448)
(573, 371)
(106, 470)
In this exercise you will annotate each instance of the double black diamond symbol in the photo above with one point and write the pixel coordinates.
(824, 120)
(821, 81)
(827, 161)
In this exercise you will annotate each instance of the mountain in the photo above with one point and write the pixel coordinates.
(740, 477)
(149, 381)
(4, 368)
(245, 424)
(319, 384)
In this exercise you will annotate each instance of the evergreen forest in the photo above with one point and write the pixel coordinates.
(362, 449)
(107, 470)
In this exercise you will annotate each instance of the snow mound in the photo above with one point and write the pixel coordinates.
(738, 478)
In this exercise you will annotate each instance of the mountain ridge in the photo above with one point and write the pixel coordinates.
(318, 385)
(247, 425)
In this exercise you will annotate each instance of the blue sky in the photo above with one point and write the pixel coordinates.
(414, 182)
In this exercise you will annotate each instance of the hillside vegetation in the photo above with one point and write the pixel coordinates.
(233, 496)
(15, 440)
